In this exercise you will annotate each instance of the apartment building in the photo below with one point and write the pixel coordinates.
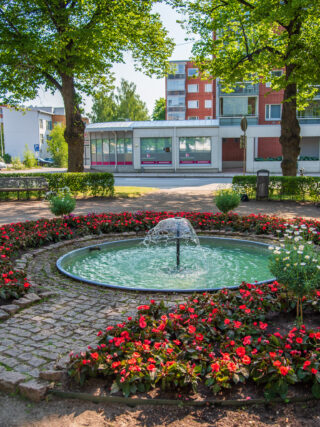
(190, 98)
(30, 126)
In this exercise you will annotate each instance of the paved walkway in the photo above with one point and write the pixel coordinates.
(179, 199)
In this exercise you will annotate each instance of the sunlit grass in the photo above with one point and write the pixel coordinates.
(127, 192)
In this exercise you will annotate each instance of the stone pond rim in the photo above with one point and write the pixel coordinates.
(93, 248)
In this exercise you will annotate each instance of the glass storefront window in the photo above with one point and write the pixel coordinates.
(195, 150)
(103, 151)
(156, 151)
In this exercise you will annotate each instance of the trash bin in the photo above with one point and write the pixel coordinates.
(262, 184)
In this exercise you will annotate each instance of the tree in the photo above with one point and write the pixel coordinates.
(159, 111)
(254, 37)
(125, 104)
(70, 46)
(57, 146)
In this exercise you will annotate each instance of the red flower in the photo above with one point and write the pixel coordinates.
(246, 360)
(314, 371)
(232, 367)
(143, 307)
(151, 367)
(227, 321)
(215, 367)
(284, 370)
(241, 351)
(191, 329)
(94, 356)
(247, 340)
(306, 364)
(142, 322)
(276, 363)
(299, 340)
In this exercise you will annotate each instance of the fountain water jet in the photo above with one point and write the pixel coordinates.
(169, 230)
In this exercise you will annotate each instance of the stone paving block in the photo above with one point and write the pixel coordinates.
(51, 375)
(4, 315)
(36, 362)
(33, 297)
(10, 308)
(22, 302)
(9, 380)
(34, 390)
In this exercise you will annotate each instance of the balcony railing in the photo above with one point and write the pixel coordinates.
(176, 76)
(176, 108)
(241, 89)
(176, 92)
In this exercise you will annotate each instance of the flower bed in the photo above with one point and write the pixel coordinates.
(32, 234)
(219, 340)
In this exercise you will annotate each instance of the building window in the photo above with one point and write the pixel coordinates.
(49, 125)
(193, 72)
(41, 124)
(41, 139)
(176, 101)
(273, 112)
(195, 150)
(193, 88)
(178, 68)
(156, 151)
(238, 106)
(193, 104)
(173, 85)
(311, 112)
(275, 73)
(193, 118)
(208, 87)
(208, 103)
(176, 115)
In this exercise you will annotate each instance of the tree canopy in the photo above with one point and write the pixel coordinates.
(159, 110)
(245, 40)
(120, 105)
(70, 46)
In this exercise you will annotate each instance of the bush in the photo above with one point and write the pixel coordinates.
(281, 187)
(62, 203)
(296, 264)
(7, 158)
(16, 163)
(95, 184)
(226, 200)
(29, 159)
(57, 146)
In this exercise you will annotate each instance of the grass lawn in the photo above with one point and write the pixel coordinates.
(132, 191)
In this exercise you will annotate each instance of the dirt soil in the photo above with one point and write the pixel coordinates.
(75, 413)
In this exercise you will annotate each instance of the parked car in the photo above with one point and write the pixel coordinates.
(45, 162)
(2, 165)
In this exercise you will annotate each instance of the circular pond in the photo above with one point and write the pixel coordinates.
(129, 264)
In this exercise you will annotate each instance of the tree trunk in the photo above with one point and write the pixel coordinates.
(290, 130)
(74, 133)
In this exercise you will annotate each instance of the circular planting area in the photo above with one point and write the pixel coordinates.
(245, 341)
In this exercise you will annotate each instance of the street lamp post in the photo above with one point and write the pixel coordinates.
(243, 141)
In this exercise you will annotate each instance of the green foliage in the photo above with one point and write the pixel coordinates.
(226, 200)
(159, 111)
(17, 164)
(57, 146)
(7, 158)
(94, 184)
(29, 159)
(62, 203)
(281, 187)
(124, 104)
(296, 264)
(70, 47)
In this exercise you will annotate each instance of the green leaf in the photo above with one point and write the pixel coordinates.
(114, 388)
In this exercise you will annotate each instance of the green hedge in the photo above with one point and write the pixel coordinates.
(94, 184)
(281, 187)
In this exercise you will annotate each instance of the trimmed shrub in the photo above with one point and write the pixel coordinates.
(17, 164)
(29, 159)
(7, 158)
(94, 184)
(226, 200)
(281, 187)
(62, 204)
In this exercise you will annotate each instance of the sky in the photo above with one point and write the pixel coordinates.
(149, 89)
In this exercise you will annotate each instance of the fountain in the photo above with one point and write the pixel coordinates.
(172, 230)
(171, 258)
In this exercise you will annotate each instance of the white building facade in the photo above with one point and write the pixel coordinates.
(188, 145)
(30, 127)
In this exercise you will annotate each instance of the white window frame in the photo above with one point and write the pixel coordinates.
(269, 109)
(193, 100)
(194, 76)
(208, 87)
(205, 103)
(195, 86)
(193, 117)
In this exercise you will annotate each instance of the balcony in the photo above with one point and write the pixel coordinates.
(176, 92)
(176, 108)
(176, 76)
(235, 121)
(241, 89)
